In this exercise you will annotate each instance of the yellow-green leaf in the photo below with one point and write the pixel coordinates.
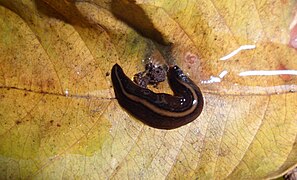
(59, 117)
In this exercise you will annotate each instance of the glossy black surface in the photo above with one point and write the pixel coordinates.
(159, 110)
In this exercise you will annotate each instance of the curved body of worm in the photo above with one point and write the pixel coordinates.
(159, 110)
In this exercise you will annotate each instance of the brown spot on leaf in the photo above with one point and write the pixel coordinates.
(190, 59)
(17, 122)
(285, 77)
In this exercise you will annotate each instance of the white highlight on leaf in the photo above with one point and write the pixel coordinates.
(294, 22)
(268, 73)
(236, 51)
(223, 73)
(214, 79)
(66, 92)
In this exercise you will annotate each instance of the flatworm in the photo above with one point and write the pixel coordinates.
(159, 110)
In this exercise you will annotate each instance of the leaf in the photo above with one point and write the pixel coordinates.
(59, 118)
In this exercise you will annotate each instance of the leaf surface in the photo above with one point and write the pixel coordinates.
(59, 117)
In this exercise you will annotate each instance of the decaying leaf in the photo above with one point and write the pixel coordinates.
(59, 117)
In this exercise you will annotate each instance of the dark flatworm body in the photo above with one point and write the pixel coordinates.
(159, 110)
